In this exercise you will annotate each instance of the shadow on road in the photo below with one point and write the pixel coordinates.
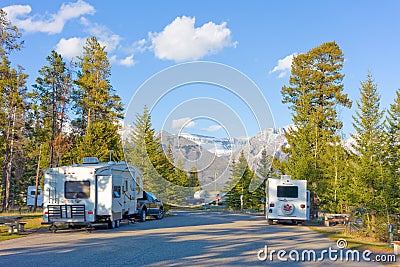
(182, 239)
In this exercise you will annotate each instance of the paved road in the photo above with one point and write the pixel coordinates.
(183, 239)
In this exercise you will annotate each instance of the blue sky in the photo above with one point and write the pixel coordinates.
(255, 37)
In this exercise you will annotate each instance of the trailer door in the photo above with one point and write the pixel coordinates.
(103, 195)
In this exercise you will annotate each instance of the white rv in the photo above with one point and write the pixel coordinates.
(91, 192)
(287, 200)
(30, 197)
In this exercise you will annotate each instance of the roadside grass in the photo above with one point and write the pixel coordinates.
(33, 222)
(359, 243)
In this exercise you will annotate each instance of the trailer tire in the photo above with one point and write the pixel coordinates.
(111, 224)
(117, 223)
(270, 222)
(143, 215)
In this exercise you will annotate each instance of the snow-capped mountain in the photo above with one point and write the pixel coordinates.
(213, 155)
(272, 139)
(217, 146)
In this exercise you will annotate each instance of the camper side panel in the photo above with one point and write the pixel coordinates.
(30, 197)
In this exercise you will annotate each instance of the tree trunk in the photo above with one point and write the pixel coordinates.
(8, 158)
(37, 178)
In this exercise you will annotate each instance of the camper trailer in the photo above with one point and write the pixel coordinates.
(91, 192)
(287, 200)
(30, 197)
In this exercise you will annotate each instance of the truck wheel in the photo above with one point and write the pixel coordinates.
(117, 223)
(143, 215)
(111, 225)
(160, 214)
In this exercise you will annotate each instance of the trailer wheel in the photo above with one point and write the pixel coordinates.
(111, 224)
(53, 228)
(117, 223)
(270, 222)
(143, 215)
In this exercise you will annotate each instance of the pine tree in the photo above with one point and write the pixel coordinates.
(369, 180)
(239, 184)
(392, 155)
(101, 141)
(12, 112)
(146, 152)
(51, 98)
(13, 92)
(95, 99)
(262, 173)
(314, 95)
(95, 102)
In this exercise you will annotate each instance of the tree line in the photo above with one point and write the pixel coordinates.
(71, 111)
(362, 179)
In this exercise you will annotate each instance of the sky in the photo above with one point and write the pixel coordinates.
(241, 52)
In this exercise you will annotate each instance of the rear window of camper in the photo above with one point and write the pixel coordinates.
(288, 191)
(77, 189)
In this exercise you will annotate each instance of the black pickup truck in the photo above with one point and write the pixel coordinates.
(149, 205)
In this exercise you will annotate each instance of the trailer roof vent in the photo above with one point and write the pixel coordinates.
(90, 160)
(286, 178)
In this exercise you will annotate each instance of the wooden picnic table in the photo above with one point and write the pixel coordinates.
(14, 223)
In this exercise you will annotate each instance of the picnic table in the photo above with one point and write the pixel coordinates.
(14, 223)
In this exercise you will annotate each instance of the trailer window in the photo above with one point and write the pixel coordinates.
(117, 192)
(77, 189)
(34, 192)
(288, 191)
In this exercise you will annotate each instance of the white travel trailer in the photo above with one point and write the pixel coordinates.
(91, 192)
(287, 200)
(30, 197)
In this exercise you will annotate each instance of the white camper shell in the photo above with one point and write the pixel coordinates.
(92, 192)
(30, 197)
(287, 200)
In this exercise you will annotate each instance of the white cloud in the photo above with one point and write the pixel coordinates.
(213, 128)
(180, 40)
(183, 123)
(104, 35)
(127, 61)
(284, 66)
(70, 48)
(20, 16)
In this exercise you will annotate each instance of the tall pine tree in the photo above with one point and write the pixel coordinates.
(51, 99)
(368, 181)
(314, 95)
(96, 104)
(13, 108)
(95, 98)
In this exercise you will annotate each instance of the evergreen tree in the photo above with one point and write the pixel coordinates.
(263, 172)
(392, 155)
(12, 113)
(95, 102)
(10, 35)
(101, 141)
(13, 94)
(239, 184)
(51, 97)
(368, 181)
(95, 99)
(314, 95)
(147, 153)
